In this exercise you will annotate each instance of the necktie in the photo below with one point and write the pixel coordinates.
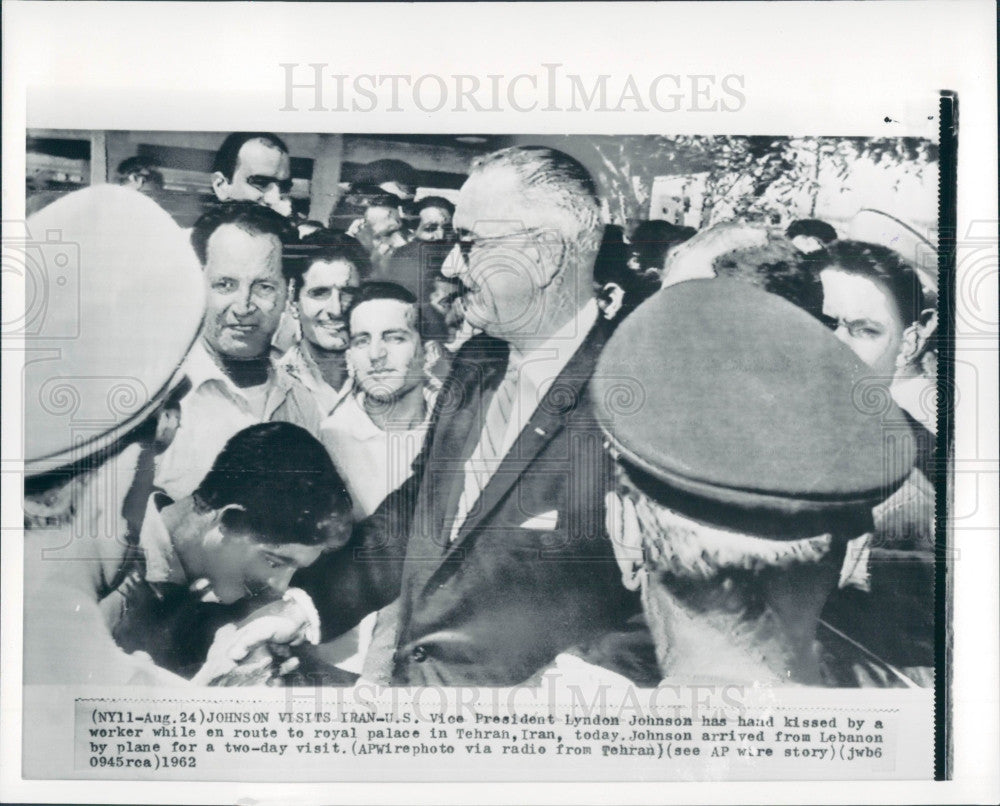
(489, 451)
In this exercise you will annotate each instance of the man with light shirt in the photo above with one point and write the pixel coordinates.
(234, 381)
(376, 432)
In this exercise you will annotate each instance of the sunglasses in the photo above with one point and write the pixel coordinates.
(263, 183)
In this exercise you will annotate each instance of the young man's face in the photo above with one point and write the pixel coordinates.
(262, 174)
(246, 292)
(435, 223)
(320, 303)
(867, 319)
(238, 566)
(443, 298)
(386, 350)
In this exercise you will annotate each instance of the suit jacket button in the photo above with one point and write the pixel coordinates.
(419, 654)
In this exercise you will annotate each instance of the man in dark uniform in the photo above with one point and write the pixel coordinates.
(740, 480)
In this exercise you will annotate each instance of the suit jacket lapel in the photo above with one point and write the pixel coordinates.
(460, 423)
(548, 420)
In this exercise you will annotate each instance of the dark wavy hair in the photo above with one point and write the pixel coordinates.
(327, 245)
(778, 268)
(812, 228)
(427, 323)
(436, 201)
(284, 482)
(878, 263)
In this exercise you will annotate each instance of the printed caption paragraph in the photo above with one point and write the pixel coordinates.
(333, 734)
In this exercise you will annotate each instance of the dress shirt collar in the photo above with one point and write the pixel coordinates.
(201, 368)
(539, 366)
(299, 364)
(162, 562)
(364, 428)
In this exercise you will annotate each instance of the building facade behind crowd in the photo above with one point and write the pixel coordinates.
(446, 369)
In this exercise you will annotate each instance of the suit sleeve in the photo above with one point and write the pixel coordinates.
(364, 575)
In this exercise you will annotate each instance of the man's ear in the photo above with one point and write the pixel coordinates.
(224, 517)
(432, 354)
(552, 255)
(928, 322)
(613, 295)
(917, 336)
(622, 526)
(221, 186)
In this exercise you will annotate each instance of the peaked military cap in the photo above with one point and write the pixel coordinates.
(736, 408)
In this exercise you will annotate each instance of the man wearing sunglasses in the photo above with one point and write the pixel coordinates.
(496, 545)
(234, 381)
(256, 167)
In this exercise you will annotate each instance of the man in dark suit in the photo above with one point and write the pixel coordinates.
(496, 546)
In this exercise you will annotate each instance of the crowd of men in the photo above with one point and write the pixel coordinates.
(506, 441)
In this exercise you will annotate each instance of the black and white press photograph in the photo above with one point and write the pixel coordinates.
(470, 409)
(498, 402)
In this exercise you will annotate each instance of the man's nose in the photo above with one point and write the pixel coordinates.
(333, 305)
(279, 583)
(454, 264)
(376, 350)
(244, 304)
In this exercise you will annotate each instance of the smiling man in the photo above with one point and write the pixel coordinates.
(256, 167)
(376, 432)
(325, 273)
(234, 381)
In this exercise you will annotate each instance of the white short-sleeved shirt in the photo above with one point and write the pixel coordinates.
(216, 409)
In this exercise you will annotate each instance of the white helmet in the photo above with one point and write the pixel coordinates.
(114, 301)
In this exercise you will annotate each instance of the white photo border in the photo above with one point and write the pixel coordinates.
(809, 68)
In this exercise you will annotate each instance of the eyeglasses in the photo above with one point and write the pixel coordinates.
(468, 242)
(263, 183)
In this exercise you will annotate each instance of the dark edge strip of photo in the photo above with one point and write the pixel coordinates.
(944, 559)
